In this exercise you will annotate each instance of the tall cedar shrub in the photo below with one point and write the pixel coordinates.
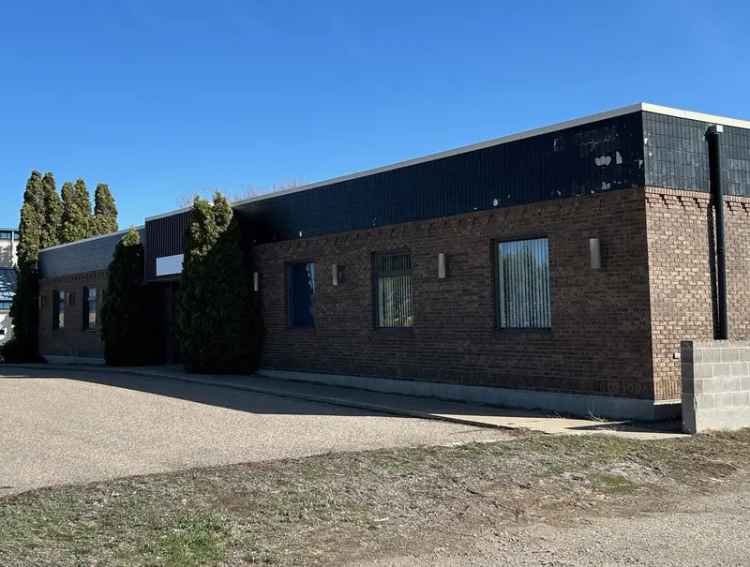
(105, 211)
(24, 309)
(67, 232)
(77, 222)
(128, 330)
(46, 220)
(32, 220)
(219, 327)
(52, 212)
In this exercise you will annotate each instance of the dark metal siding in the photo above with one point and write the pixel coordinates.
(600, 156)
(80, 257)
(165, 237)
(677, 154)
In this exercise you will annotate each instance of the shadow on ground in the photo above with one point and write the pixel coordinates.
(286, 395)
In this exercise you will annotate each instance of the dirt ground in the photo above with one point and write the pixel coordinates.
(532, 500)
(694, 531)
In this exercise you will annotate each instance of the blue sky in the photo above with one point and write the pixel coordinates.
(164, 99)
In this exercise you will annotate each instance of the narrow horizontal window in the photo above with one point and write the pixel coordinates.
(394, 302)
(523, 290)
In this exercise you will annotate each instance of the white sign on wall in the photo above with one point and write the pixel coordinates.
(169, 265)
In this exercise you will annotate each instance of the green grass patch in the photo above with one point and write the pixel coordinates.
(193, 540)
(612, 483)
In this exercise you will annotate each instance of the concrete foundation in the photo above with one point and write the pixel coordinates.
(559, 402)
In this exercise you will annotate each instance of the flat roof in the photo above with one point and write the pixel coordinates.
(630, 109)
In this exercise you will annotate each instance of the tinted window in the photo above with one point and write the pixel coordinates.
(301, 289)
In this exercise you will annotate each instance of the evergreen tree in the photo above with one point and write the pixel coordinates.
(127, 329)
(218, 321)
(85, 218)
(25, 307)
(76, 216)
(24, 311)
(105, 211)
(199, 238)
(222, 213)
(32, 220)
(52, 212)
(66, 230)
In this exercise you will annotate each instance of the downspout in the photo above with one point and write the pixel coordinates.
(713, 136)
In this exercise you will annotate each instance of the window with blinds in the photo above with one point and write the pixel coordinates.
(394, 302)
(523, 294)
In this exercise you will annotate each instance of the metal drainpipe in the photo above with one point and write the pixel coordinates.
(713, 136)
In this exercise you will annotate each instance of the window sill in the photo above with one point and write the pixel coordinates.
(406, 331)
(545, 331)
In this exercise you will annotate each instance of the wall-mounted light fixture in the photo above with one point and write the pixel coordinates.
(335, 274)
(442, 272)
(595, 253)
(256, 281)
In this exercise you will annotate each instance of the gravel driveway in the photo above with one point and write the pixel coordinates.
(706, 531)
(59, 427)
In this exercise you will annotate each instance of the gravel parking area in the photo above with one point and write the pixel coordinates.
(59, 427)
(702, 531)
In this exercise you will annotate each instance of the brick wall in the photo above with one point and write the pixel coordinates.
(715, 385)
(679, 251)
(72, 340)
(600, 336)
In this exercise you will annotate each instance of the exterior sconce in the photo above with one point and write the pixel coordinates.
(595, 253)
(335, 274)
(256, 281)
(441, 266)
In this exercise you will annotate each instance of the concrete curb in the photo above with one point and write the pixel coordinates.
(344, 402)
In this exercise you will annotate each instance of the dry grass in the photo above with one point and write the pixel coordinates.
(337, 507)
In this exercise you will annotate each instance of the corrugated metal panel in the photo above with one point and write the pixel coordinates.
(80, 257)
(595, 157)
(165, 237)
(677, 158)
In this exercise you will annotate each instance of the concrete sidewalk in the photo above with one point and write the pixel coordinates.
(396, 404)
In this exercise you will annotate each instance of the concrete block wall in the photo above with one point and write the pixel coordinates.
(715, 385)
